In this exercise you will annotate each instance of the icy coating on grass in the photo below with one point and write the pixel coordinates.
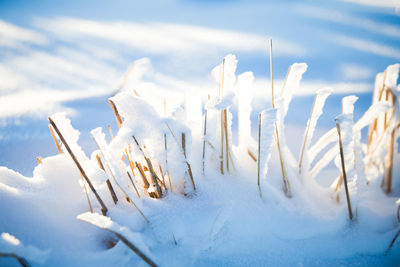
(181, 214)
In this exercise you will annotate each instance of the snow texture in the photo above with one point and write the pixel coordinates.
(10, 244)
(224, 222)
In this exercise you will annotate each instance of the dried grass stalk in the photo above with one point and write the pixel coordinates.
(128, 243)
(251, 155)
(134, 186)
(55, 139)
(132, 166)
(191, 175)
(163, 176)
(387, 179)
(22, 261)
(103, 206)
(259, 155)
(221, 94)
(306, 135)
(154, 176)
(286, 184)
(87, 195)
(344, 171)
(143, 175)
(184, 143)
(226, 140)
(116, 113)
(111, 133)
(231, 160)
(110, 187)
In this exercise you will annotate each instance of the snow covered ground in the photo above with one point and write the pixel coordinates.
(71, 57)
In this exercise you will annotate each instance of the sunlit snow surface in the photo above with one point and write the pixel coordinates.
(70, 58)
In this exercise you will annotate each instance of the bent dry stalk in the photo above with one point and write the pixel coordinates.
(103, 206)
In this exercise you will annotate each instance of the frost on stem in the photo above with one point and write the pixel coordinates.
(265, 142)
(316, 112)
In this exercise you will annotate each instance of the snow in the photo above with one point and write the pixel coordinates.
(245, 83)
(10, 244)
(223, 221)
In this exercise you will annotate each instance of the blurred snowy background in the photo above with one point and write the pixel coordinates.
(69, 55)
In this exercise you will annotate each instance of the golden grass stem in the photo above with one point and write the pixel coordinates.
(154, 177)
(251, 155)
(344, 171)
(387, 182)
(55, 139)
(226, 140)
(183, 136)
(110, 187)
(132, 167)
(306, 135)
(286, 184)
(231, 160)
(87, 195)
(134, 186)
(143, 175)
(111, 133)
(191, 175)
(116, 113)
(103, 206)
(163, 177)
